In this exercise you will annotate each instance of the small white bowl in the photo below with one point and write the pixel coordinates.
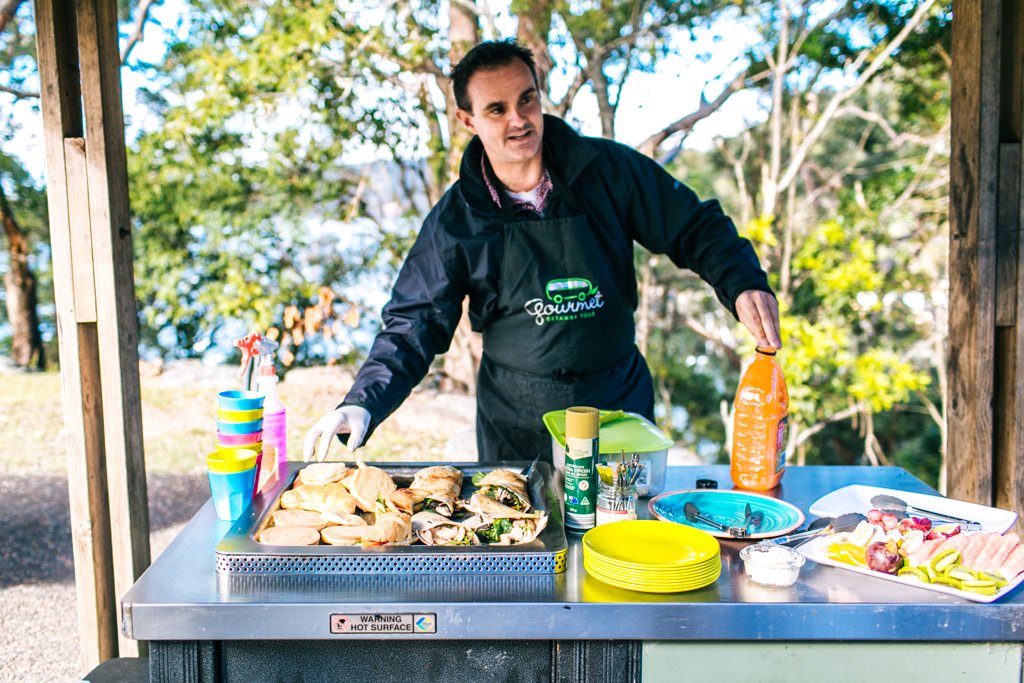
(772, 565)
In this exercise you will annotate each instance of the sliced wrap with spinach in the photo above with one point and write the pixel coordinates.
(439, 487)
(506, 487)
(434, 529)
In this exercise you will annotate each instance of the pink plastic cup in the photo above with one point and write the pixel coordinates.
(239, 439)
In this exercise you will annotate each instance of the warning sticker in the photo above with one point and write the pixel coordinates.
(383, 624)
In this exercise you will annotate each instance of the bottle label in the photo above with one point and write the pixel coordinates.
(580, 478)
(780, 445)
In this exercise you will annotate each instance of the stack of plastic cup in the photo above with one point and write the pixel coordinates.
(240, 422)
(232, 474)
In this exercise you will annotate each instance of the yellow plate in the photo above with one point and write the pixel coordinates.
(627, 578)
(645, 587)
(655, 572)
(651, 543)
(639, 574)
(639, 577)
(655, 569)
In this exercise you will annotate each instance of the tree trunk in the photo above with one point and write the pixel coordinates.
(20, 287)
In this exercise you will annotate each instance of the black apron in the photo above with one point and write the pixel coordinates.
(566, 337)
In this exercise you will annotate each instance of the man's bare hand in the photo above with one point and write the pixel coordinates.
(351, 420)
(759, 313)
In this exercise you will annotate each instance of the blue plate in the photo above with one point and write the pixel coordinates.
(728, 508)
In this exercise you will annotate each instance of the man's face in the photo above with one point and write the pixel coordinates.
(506, 113)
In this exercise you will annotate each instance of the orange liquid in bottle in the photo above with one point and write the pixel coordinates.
(759, 424)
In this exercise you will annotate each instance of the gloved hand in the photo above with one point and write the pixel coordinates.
(351, 420)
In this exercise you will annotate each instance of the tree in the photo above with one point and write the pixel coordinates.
(22, 204)
(841, 187)
(20, 282)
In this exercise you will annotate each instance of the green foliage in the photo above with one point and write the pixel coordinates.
(261, 104)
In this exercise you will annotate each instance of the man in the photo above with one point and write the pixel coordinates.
(538, 232)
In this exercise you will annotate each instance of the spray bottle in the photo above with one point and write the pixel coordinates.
(275, 430)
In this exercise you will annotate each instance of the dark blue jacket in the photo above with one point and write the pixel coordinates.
(626, 196)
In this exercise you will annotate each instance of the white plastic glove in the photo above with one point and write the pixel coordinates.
(351, 420)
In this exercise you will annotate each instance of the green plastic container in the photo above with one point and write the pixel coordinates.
(630, 433)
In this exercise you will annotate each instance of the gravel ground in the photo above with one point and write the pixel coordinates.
(38, 632)
(37, 589)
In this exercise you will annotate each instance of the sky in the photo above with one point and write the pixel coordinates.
(650, 100)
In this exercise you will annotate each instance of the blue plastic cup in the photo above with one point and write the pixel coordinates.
(250, 427)
(239, 400)
(232, 492)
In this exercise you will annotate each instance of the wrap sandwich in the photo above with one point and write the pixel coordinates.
(439, 486)
(434, 529)
(500, 524)
(506, 487)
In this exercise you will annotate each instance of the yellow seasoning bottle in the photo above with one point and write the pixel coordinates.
(581, 449)
(760, 414)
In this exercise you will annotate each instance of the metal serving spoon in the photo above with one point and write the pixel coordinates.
(885, 502)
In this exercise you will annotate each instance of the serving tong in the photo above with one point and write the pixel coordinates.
(888, 503)
(751, 520)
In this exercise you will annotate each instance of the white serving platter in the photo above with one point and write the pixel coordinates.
(857, 498)
(814, 550)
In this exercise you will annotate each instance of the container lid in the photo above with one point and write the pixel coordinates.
(632, 433)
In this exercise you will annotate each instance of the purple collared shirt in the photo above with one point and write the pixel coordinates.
(543, 190)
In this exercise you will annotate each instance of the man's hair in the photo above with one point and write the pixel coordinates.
(489, 54)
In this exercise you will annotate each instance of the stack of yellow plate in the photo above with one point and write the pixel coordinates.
(652, 556)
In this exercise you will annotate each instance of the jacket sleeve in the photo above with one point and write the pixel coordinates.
(418, 323)
(667, 218)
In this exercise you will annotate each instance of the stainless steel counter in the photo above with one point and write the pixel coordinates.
(181, 597)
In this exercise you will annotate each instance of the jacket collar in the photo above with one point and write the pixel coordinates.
(566, 153)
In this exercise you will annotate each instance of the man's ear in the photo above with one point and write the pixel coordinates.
(466, 119)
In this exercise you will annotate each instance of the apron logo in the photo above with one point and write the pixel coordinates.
(566, 299)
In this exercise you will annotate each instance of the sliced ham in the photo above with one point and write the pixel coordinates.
(1013, 564)
(925, 552)
(984, 558)
(969, 555)
(1006, 545)
(956, 542)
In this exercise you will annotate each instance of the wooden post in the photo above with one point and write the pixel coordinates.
(986, 275)
(95, 300)
(116, 314)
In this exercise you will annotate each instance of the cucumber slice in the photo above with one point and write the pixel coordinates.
(916, 572)
(961, 573)
(947, 558)
(998, 580)
(980, 587)
(946, 581)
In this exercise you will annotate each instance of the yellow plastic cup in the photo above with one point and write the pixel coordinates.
(225, 415)
(229, 461)
(257, 447)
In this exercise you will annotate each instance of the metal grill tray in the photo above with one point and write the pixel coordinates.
(239, 553)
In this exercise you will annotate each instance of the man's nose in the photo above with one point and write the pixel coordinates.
(518, 117)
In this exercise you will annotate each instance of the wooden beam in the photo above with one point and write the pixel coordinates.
(80, 225)
(57, 51)
(117, 324)
(1006, 389)
(972, 253)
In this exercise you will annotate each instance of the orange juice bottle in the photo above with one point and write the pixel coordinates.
(759, 424)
